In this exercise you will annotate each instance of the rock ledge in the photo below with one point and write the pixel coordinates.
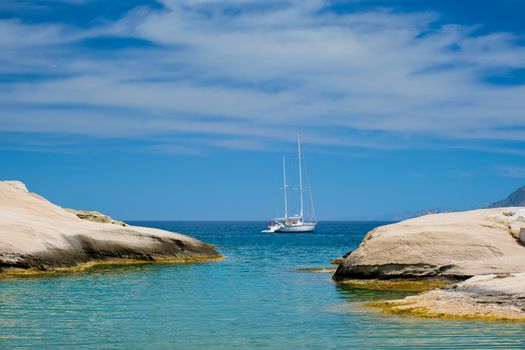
(487, 297)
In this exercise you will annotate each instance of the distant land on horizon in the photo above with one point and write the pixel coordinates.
(515, 199)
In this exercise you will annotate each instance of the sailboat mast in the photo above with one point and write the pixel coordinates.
(300, 174)
(285, 192)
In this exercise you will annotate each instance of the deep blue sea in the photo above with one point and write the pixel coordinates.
(257, 298)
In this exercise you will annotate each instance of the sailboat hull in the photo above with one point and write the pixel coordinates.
(306, 227)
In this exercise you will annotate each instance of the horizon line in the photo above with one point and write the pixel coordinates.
(253, 220)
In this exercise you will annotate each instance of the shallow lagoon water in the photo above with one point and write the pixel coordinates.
(255, 299)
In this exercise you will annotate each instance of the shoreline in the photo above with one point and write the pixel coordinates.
(397, 284)
(12, 272)
(467, 265)
(492, 297)
(393, 307)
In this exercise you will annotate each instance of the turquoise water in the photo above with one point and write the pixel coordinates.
(255, 299)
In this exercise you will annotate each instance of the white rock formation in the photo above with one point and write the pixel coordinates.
(35, 234)
(456, 245)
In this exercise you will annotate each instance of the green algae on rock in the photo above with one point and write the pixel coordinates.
(95, 216)
(488, 297)
(418, 285)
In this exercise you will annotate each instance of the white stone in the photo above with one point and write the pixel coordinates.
(460, 244)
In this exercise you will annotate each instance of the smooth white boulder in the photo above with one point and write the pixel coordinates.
(455, 245)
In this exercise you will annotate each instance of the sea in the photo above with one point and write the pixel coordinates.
(261, 296)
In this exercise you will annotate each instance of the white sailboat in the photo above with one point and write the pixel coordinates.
(295, 223)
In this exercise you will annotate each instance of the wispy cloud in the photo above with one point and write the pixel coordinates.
(463, 173)
(262, 70)
(511, 171)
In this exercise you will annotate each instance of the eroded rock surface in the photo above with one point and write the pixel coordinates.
(489, 297)
(94, 216)
(38, 235)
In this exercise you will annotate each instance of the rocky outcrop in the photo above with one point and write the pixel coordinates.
(37, 235)
(449, 245)
(488, 297)
(94, 216)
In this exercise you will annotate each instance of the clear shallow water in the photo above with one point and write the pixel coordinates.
(255, 299)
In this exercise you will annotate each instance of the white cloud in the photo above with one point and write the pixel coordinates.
(511, 171)
(265, 71)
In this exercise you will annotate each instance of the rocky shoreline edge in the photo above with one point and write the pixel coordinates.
(21, 272)
(466, 265)
(484, 297)
(37, 236)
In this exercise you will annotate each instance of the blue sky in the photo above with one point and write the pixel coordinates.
(182, 109)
